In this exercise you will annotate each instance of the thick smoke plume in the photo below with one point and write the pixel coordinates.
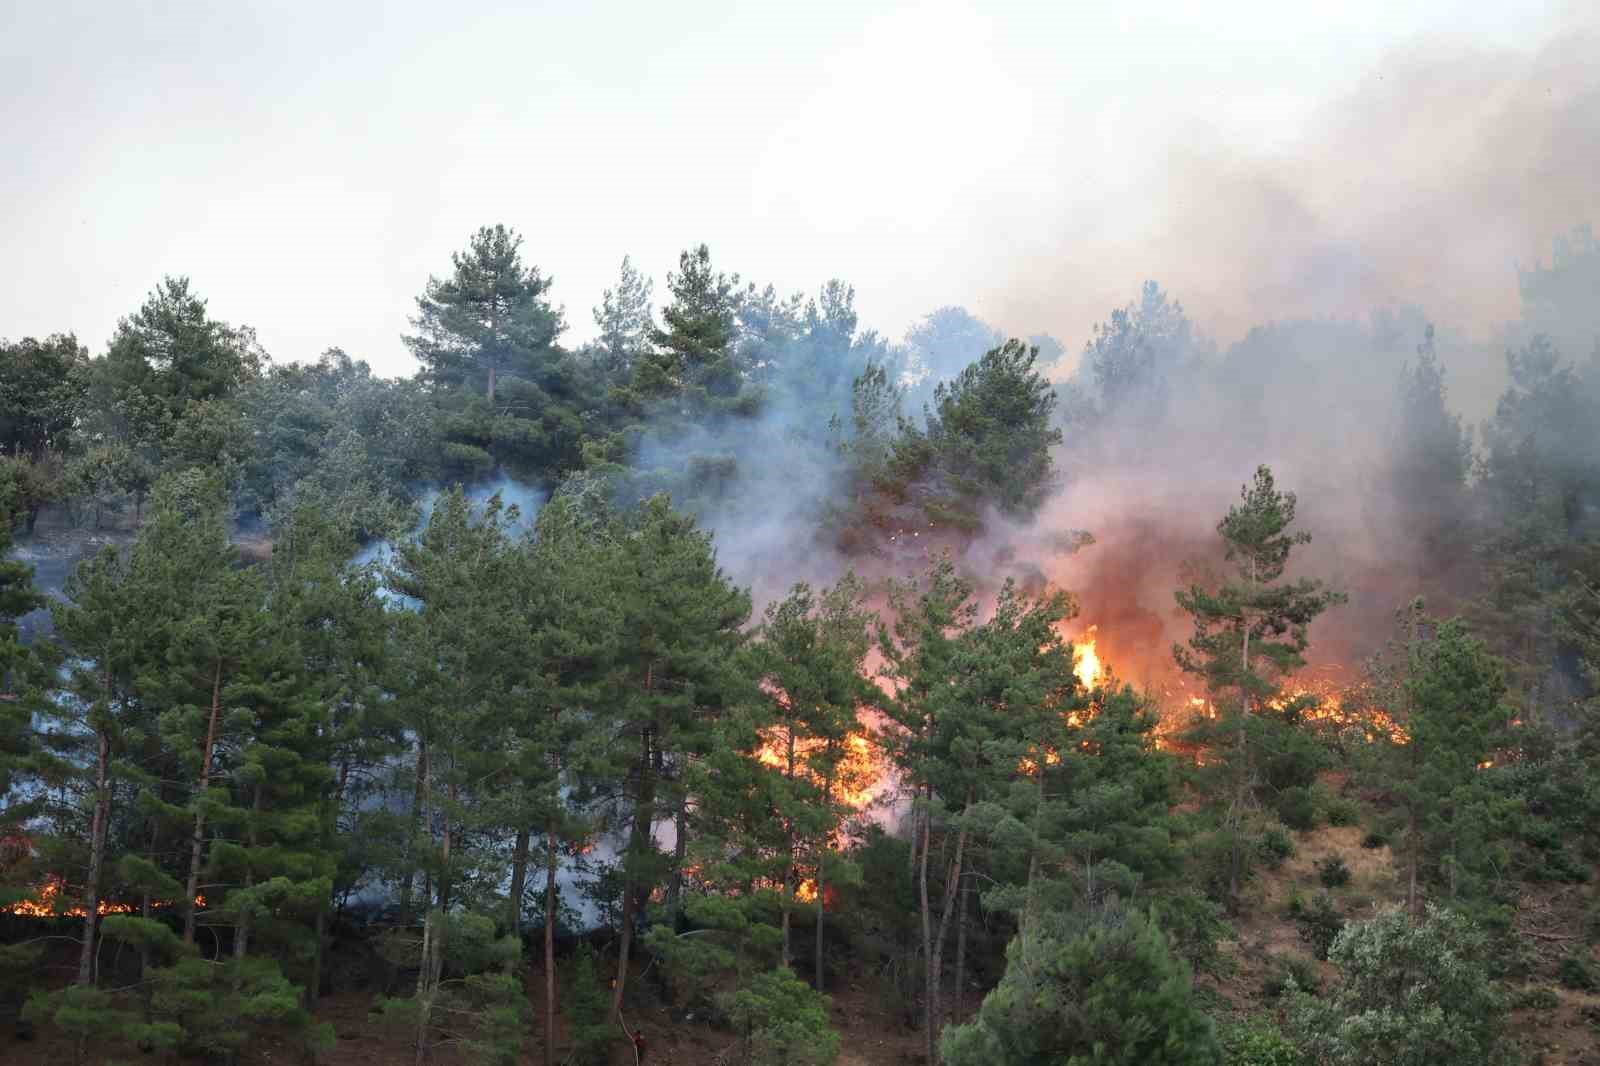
(1420, 200)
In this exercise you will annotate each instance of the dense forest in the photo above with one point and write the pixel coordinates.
(743, 671)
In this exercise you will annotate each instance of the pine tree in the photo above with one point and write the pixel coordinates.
(487, 339)
(625, 321)
(682, 622)
(1249, 634)
(810, 656)
(458, 668)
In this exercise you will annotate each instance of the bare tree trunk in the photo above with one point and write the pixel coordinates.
(550, 950)
(97, 857)
(197, 843)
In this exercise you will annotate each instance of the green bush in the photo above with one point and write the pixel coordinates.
(1319, 922)
(1343, 811)
(1290, 972)
(1107, 990)
(1574, 971)
(1296, 808)
(1275, 846)
(587, 1005)
(1375, 838)
(1332, 872)
(1408, 993)
(1537, 998)
(1259, 1042)
(784, 1021)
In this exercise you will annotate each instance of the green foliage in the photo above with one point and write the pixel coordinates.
(1249, 634)
(988, 440)
(476, 1003)
(1342, 811)
(1319, 921)
(1296, 808)
(217, 1008)
(783, 1021)
(1259, 1042)
(1409, 993)
(587, 1007)
(1333, 872)
(1577, 971)
(1275, 846)
(1291, 973)
(1111, 992)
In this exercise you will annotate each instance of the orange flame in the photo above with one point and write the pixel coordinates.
(47, 903)
(1085, 660)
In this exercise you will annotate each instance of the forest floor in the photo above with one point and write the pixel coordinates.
(1555, 1026)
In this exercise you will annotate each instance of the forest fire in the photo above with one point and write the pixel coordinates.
(46, 903)
(858, 777)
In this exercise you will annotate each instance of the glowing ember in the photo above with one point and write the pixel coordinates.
(806, 891)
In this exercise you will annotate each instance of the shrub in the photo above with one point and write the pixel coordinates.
(1375, 838)
(1291, 971)
(1276, 846)
(1342, 811)
(1259, 1042)
(1296, 809)
(784, 1021)
(1106, 990)
(1409, 993)
(1575, 972)
(1537, 998)
(1319, 923)
(587, 1006)
(1332, 872)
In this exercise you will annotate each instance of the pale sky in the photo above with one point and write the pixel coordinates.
(308, 165)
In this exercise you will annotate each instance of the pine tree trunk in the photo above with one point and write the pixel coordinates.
(97, 857)
(822, 882)
(417, 802)
(241, 936)
(643, 815)
(550, 950)
(519, 880)
(1236, 859)
(788, 865)
(947, 910)
(963, 905)
(197, 843)
(680, 846)
(930, 983)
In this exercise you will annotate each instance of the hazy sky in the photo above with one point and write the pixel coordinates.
(310, 164)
